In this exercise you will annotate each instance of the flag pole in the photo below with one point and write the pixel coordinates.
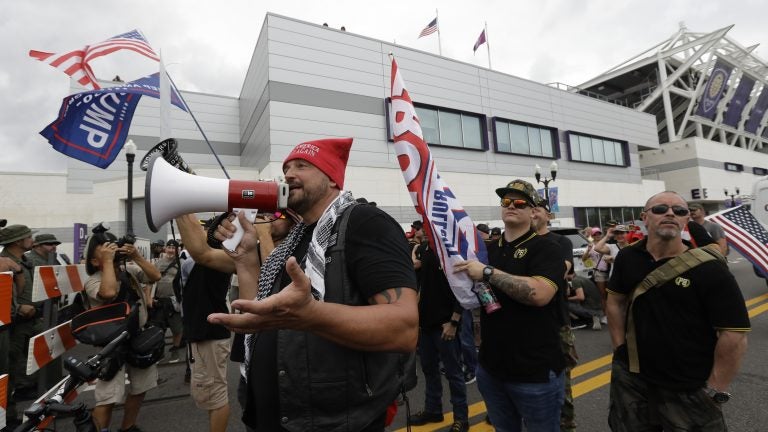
(439, 42)
(165, 102)
(488, 45)
(189, 110)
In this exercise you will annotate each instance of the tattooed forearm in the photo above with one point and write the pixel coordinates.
(387, 296)
(515, 287)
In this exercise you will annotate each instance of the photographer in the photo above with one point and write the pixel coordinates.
(111, 280)
(164, 308)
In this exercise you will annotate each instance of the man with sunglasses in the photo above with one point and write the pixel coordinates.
(520, 374)
(677, 344)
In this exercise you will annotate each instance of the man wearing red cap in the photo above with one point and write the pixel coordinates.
(329, 317)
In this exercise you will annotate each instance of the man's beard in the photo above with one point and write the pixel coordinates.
(308, 197)
(667, 232)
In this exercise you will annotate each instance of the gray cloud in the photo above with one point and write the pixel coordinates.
(209, 45)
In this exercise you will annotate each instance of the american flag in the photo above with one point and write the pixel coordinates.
(77, 63)
(745, 234)
(429, 29)
(448, 227)
(480, 41)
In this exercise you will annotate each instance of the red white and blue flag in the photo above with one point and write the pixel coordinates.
(745, 234)
(92, 126)
(429, 29)
(448, 227)
(77, 63)
(480, 40)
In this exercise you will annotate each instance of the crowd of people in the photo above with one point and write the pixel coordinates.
(328, 301)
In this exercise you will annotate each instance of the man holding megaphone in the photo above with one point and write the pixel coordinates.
(336, 302)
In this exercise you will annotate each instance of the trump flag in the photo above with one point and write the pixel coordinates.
(92, 126)
(448, 227)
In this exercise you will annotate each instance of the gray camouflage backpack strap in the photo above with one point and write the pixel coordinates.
(668, 271)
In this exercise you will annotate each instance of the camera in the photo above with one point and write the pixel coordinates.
(126, 239)
(103, 227)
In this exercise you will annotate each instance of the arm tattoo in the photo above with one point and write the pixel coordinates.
(515, 287)
(389, 296)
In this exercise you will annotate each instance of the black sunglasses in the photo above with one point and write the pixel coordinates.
(517, 203)
(663, 208)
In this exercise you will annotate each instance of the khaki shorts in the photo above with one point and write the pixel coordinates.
(208, 386)
(113, 391)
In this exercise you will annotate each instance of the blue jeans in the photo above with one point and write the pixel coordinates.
(432, 349)
(467, 339)
(510, 404)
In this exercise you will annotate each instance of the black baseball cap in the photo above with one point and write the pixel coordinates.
(484, 228)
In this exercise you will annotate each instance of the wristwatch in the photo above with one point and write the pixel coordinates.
(487, 273)
(718, 396)
(454, 322)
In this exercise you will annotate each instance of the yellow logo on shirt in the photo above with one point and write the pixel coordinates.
(682, 282)
(520, 253)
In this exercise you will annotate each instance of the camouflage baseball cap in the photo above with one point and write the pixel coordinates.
(522, 187)
(13, 233)
(42, 239)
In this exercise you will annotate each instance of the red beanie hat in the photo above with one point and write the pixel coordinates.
(328, 155)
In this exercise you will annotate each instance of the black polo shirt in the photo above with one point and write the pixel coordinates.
(521, 343)
(676, 323)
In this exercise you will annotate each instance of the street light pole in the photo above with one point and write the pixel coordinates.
(546, 180)
(733, 200)
(130, 155)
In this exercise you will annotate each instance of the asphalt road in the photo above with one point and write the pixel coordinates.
(169, 408)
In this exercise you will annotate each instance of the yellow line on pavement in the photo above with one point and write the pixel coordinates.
(590, 366)
(593, 383)
(758, 310)
(757, 299)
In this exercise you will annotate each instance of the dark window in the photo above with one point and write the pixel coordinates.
(730, 166)
(759, 171)
(523, 138)
(594, 149)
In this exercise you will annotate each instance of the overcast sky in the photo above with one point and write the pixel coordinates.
(208, 45)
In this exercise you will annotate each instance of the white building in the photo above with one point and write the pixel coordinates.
(307, 81)
(709, 95)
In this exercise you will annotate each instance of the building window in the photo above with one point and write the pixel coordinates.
(598, 216)
(445, 127)
(730, 166)
(451, 128)
(759, 171)
(594, 149)
(524, 138)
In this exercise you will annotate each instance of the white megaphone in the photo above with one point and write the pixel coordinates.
(169, 193)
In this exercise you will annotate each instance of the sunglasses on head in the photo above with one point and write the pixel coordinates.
(517, 203)
(663, 208)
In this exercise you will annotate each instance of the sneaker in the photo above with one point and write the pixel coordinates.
(133, 428)
(604, 320)
(460, 426)
(174, 356)
(423, 417)
(469, 378)
(596, 323)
